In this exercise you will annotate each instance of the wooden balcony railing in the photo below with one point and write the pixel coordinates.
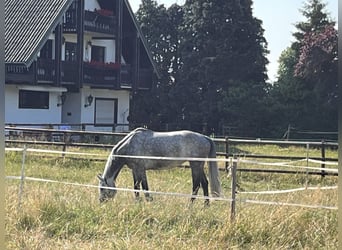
(45, 70)
(16, 73)
(69, 72)
(100, 21)
(100, 74)
(96, 74)
(70, 21)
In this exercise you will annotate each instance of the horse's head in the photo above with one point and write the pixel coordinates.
(105, 190)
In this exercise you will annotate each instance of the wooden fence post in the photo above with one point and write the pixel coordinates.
(307, 165)
(323, 157)
(22, 178)
(65, 140)
(227, 154)
(233, 203)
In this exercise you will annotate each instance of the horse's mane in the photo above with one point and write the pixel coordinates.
(127, 137)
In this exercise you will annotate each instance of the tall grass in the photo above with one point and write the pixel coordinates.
(57, 216)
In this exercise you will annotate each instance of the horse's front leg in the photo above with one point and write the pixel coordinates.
(137, 181)
(139, 176)
(144, 185)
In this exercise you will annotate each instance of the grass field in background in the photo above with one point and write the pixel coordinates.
(59, 216)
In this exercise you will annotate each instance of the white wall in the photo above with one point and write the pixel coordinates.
(71, 109)
(15, 115)
(91, 5)
(87, 113)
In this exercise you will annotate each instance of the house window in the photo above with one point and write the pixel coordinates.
(97, 53)
(70, 52)
(29, 99)
(106, 111)
(46, 51)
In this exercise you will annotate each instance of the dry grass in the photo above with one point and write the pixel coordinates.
(56, 216)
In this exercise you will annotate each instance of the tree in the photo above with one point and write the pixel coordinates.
(318, 64)
(207, 51)
(305, 91)
(222, 49)
(318, 59)
(160, 27)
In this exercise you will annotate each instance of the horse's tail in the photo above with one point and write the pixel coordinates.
(215, 185)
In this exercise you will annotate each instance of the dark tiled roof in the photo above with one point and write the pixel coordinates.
(28, 24)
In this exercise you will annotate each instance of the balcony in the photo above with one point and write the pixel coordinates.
(100, 21)
(17, 73)
(96, 74)
(70, 21)
(69, 72)
(100, 74)
(45, 70)
(144, 80)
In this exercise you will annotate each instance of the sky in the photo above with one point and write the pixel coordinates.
(278, 17)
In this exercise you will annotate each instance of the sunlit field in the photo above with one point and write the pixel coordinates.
(62, 215)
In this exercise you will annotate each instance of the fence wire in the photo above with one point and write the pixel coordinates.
(230, 160)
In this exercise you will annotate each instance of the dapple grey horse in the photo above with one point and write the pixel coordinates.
(146, 143)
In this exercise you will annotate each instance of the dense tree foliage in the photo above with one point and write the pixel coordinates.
(161, 29)
(212, 58)
(211, 54)
(224, 55)
(306, 90)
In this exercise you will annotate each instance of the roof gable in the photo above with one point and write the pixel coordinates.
(142, 37)
(28, 24)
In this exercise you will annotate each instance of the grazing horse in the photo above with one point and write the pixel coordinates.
(146, 143)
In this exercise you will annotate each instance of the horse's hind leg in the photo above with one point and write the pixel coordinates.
(204, 183)
(198, 179)
(197, 173)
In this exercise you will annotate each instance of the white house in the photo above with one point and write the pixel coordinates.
(73, 62)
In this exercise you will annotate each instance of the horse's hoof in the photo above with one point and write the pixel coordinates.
(149, 198)
(138, 199)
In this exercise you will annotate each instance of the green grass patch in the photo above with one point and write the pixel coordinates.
(58, 216)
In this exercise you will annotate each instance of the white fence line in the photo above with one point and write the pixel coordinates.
(232, 200)
(189, 196)
(229, 160)
(289, 190)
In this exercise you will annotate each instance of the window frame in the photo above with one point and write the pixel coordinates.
(115, 115)
(31, 99)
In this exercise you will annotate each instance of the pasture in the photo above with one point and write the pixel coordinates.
(64, 216)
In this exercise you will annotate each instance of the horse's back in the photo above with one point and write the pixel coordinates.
(181, 143)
